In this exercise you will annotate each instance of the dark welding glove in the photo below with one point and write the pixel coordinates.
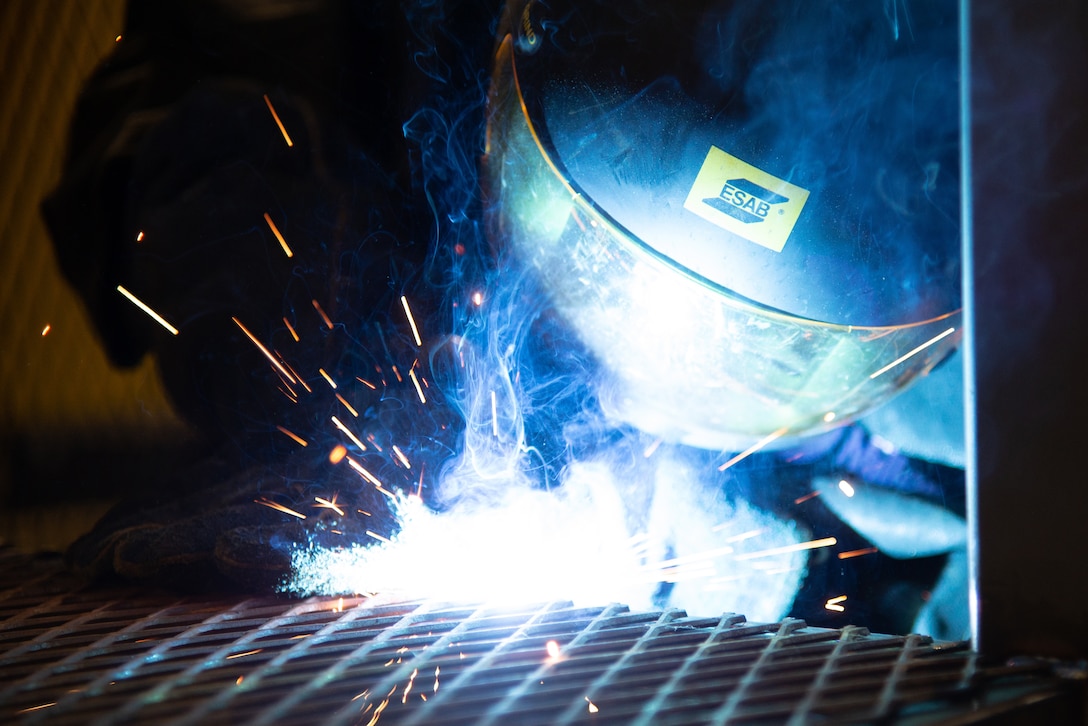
(207, 528)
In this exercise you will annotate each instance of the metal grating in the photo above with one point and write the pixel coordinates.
(70, 654)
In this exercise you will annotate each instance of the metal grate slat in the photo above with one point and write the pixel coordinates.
(70, 654)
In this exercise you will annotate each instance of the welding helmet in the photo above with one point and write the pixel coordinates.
(747, 211)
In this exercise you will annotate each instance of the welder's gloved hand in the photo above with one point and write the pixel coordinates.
(208, 528)
(908, 508)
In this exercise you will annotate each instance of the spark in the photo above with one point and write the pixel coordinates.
(810, 545)
(806, 497)
(408, 688)
(327, 377)
(265, 351)
(366, 383)
(238, 682)
(140, 236)
(143, 306)
(295, 374)
(291, 329)
(363, 472)
(292, 435)
(846, 488)
(321, 312)
(833, 604)
(419, 390)
(364, 694)
(291, 396)
(649, 450)
(44, 705)
(347, 432)
(552, 648)
(858, 553)
(400, 455)
(242, 655)
(437, 670)
(378, 537)
(276, 231)
(494, 416)
(46, 329)
(397, 374)
(378, 712)
(329, 504)
(744, 535)
(279, 123)
(279, 507)
(829, 417)
(477, 298)
(754, 448)
(675, 566)
(912, 353)
(411, 320)
(339, 608)
(348, 406)
(592, 706)
(117, 39)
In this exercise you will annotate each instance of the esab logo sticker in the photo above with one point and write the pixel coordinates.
(745, 200)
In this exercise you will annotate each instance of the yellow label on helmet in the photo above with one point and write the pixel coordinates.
(746, 201)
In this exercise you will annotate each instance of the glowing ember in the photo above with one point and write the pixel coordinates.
(243, 655)
(400, 455)
(408, 687)
(552, 649)
(348, 406)
(264, 351)
(275, 116)
(415, 382)
(275, 231)
(321, 311)
(834, 604)
(279, 507)
(143, 306)
(810, 545)
(912, 353)
(327, 377)
(347, 432)
(291, 329)
(754, 448)
(291, 435)
(858, 553)
(329, 504)
(411, 320)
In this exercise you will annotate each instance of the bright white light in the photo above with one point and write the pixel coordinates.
(846, 488)
(575, 543)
